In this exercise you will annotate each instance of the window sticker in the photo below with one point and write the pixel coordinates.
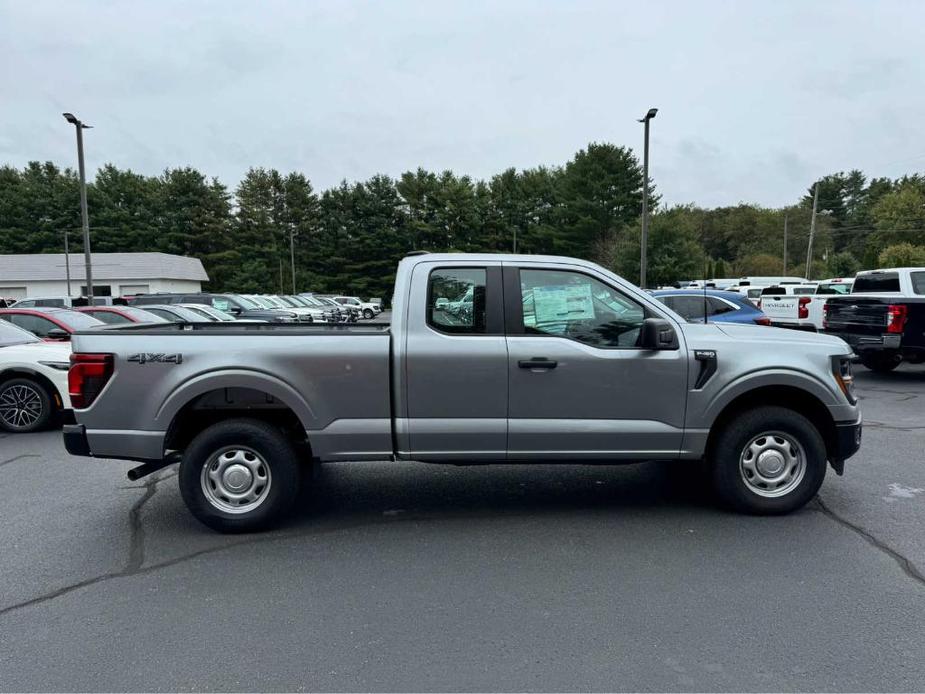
(564, 302)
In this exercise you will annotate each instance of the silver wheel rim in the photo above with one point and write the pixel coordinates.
(20, 406)
(236, 479)
(772, 464)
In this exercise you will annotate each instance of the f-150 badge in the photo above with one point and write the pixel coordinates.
(146, 357)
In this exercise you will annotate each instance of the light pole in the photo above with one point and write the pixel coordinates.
(67, 263)
(84, 217)
(645, 199)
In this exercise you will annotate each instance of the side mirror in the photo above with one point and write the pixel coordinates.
(58, 334)
(442, 303)
(234, 310)
(657, 333)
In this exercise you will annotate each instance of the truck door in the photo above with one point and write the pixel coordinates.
(454, 359)
(579, 387)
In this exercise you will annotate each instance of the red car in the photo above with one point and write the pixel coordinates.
(119, 315)
(50, 324)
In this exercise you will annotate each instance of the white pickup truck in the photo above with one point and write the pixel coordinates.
(800, 306)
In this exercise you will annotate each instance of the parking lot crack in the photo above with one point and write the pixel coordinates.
(905, 564)
(136, 547)
(18, 457)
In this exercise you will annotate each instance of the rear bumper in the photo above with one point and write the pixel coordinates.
(868, 343)
(75, 440)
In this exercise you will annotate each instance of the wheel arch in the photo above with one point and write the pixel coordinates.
(211, 398)
(37, 376)
(791, 397)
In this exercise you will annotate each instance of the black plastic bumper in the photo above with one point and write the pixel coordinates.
(847, 443)
(75, 440)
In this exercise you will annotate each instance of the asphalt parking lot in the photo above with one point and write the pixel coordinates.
(423, 577)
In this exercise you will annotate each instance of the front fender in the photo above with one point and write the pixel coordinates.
(705, 412)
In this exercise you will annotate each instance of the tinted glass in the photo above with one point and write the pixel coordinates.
(161, 313)
(77, 320)
(12, 335)
(880, 282)
(918, 282)
(141, 315)
(34, 324)
(688, 307)
(109, 317)
(834, 288)
(718, 306)
(456, 300)
(579, 307)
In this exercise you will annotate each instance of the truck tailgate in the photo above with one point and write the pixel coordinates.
(859, 315)
(780, 308)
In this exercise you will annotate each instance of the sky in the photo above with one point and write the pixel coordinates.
(756, 99)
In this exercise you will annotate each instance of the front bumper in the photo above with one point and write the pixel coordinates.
(75, 440)
(846, 444)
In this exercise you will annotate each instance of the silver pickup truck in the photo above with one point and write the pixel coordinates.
(488, 358)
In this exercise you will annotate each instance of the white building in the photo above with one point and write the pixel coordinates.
(114, 274)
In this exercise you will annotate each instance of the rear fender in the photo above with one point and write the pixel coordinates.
(236, 378)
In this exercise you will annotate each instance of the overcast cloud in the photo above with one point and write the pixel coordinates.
(755, 99)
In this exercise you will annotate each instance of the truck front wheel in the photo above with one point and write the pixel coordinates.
(239, 475)
(768, 461)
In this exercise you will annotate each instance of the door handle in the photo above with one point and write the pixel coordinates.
(537, 363)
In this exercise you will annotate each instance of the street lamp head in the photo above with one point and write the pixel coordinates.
(73, 120)
(651, 114)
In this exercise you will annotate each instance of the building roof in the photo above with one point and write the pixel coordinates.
(106, 266)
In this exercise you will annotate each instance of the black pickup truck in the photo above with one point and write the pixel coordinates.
(883, 318)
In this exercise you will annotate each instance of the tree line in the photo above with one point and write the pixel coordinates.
(349, 238)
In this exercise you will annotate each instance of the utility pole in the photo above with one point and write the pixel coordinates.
(84, 217)
(281, 274)
(644, 241)
(812, 232)
(67, 263)
(292, 257)
(786, 221)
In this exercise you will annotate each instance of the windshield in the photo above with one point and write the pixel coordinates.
(75, 319)
(834, 288)
(245, 302)
(141, 315)
(11, 335)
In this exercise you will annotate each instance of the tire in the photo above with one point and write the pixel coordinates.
(247, 456)
(768, 461)
(25, 406)
(368, 314)
(881, 362)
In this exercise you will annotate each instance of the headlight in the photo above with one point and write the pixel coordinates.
(841, 369)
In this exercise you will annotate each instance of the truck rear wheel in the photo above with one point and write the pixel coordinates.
(239, 475)
(881, 362)
(768, 461)
(368, 314)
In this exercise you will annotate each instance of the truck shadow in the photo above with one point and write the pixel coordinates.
(348, 491)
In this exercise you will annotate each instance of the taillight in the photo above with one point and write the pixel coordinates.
(895, 318)
(759, 304)
(803, 309)
(825, 316)
(86, 378)
(763, 320)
